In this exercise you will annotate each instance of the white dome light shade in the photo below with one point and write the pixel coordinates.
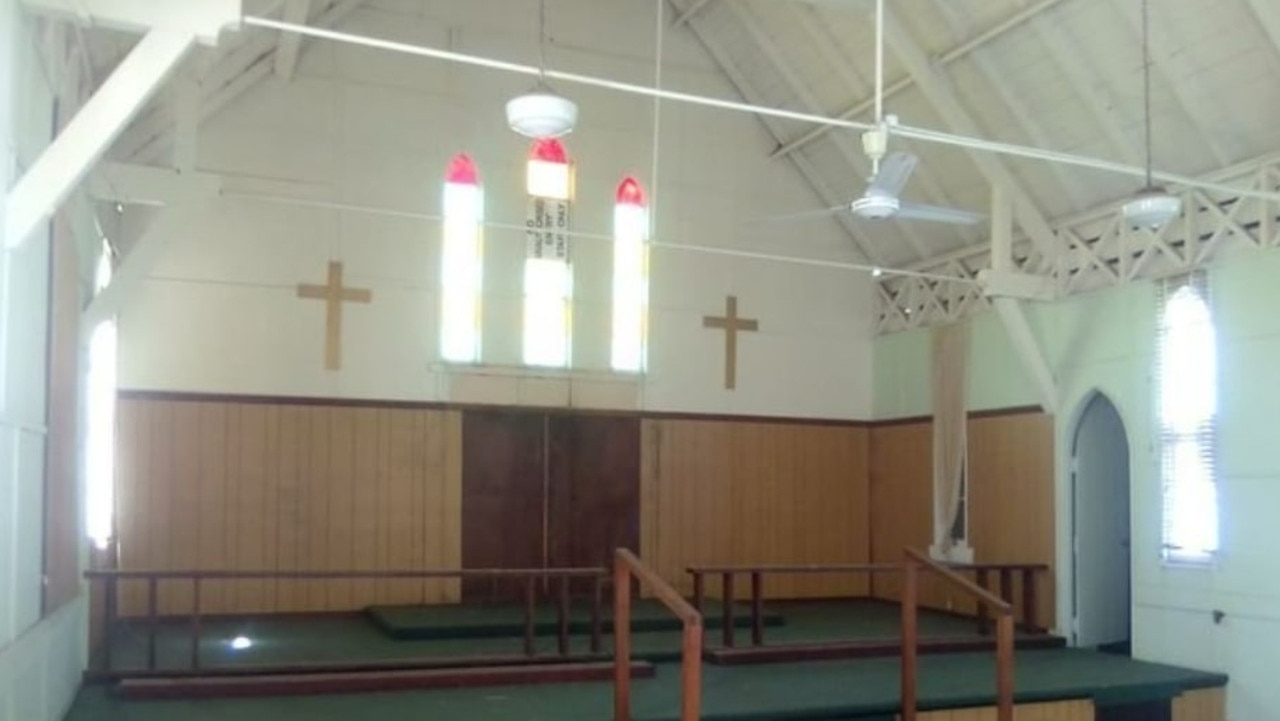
(1152, 208)
(542, 114)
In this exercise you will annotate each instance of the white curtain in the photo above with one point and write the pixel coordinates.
(950, 440)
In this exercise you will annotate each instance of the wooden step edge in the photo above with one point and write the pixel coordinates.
(365, 682)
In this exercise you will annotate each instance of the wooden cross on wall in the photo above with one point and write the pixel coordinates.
(730, 323)
(333, 294)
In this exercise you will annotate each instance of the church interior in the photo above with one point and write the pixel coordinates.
(639, 359)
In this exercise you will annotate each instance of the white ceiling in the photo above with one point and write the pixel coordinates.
(1057, 74)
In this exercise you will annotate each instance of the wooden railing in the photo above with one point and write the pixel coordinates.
(1006, 572)
(1003, 611)
(757, 573)
(112, 579)
(627, 566)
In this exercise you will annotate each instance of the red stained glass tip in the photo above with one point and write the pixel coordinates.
(630, 192)
(462, 170)
(549, 150)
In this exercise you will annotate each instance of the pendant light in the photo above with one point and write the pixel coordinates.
(1153, 206)
(541, 112)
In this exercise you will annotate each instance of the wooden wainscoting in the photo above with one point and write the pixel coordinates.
(1077, 710)
(726, 492)
(279, 486)
(1011, 500)
(1011, 496)
(1208, 704)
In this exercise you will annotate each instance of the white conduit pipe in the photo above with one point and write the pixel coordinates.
(875, 270)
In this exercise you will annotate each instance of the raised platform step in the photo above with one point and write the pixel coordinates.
(825, 651)
(419, 623)
(295, 684)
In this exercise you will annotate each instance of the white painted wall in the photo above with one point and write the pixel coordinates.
(359, 126)
(1106, 341)
(40, 660)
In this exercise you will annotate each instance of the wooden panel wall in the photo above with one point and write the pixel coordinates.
(263, 486)
(1209, 704)
(1078, 710)
(1011, 499)
(901, 498)
(721, 492)
(1011, 495)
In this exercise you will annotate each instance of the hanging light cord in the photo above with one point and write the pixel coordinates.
(542, 42)
(1146, 83)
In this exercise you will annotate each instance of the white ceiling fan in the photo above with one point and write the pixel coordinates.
(890, 171)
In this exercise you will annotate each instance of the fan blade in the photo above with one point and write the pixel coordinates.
(822, 212)
(895, 171)
(937, 214)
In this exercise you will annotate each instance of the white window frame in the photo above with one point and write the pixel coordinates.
(1190, 508)
(630, 314)
(461, 271)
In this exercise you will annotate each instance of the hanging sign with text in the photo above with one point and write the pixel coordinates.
(547, 228)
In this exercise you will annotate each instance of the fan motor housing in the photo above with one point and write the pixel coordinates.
(875, 206)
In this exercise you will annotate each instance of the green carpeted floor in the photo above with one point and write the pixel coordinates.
(863, 689)
(355, 639)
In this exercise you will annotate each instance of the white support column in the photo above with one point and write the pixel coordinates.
(1024, 343)
(61, 166)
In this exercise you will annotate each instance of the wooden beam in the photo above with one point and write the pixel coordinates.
(61, 166)
(942, 96)
(289, 45)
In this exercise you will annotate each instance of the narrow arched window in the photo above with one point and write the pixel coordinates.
(1188, 369)
(462, 262)
(630, 277)
(548, 273)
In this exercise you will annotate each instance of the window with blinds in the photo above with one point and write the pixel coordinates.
(1187, 374)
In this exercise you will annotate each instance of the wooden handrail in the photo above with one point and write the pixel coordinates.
(625, 567)
(727, 572)
(349, 574)
(796, 568)
(910, 633)
(113, 578)
(974, 589)
(664, 591)
(865, 567)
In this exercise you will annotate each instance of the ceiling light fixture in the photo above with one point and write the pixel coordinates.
(1153, 206)
(541, 112)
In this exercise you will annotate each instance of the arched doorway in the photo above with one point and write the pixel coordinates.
(1100, 528)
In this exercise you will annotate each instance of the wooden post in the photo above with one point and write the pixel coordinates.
(691, 672)
(1004, 667)
(757, 616)
(699, 592)
(726, 609)
(108, 621)
(151, 624)
(909, 600)
(562, 617)
(984, 614)
(597, 589)
(530, 606)
(195, 622)
(1029, 600)
(621, 642)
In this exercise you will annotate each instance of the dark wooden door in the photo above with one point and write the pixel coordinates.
(593, 487)
(503, 492)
